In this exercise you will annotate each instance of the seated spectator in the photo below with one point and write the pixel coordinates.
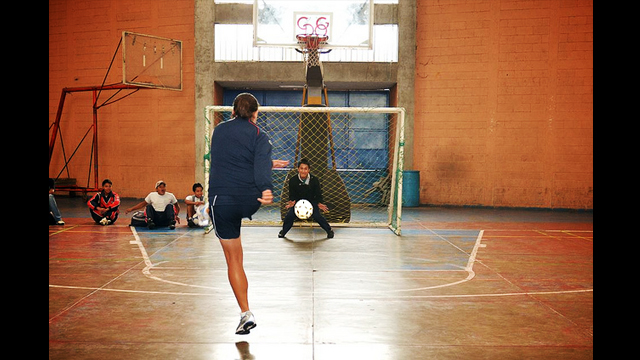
(161, 207)
(104, 206)
(55, 218)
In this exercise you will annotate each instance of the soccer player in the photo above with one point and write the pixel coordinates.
(239, 183)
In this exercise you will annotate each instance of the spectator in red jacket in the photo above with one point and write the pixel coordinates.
(104, 206)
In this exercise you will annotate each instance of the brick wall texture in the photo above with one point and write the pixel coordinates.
(503, 93)
(505, 103)
(145, 137)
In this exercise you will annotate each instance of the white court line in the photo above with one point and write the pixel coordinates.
(375, 297)
(468, 268)
(94, 290)
(149, 265)
(131, 291)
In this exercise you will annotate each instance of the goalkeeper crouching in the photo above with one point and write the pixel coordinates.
(305, 186)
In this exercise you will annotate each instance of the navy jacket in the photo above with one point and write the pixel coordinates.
(240, 162)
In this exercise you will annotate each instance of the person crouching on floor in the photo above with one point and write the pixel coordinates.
(104, 206)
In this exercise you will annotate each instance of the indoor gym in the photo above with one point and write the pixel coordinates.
(496, 262)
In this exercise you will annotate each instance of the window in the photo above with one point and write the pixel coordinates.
(234, 42)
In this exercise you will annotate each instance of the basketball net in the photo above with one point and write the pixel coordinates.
(309, 45)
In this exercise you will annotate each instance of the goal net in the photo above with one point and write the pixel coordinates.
(356, 152)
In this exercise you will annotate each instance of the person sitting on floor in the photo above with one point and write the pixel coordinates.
(55, 218)
(197, 208)
(104, 206)
(161, 207)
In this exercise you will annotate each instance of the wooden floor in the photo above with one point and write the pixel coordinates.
(459, 283)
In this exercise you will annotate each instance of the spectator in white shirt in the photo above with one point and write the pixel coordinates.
(161, 207)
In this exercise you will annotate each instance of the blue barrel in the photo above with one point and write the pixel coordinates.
(410, 188)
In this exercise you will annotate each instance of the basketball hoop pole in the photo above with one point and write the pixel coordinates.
(94, 127)
(310, 49)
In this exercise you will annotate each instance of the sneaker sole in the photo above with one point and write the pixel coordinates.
(246, 328)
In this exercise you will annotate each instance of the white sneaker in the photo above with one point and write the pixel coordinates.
(247, 322)
(104, 221)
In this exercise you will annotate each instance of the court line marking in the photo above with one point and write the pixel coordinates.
(94, 291)
(149, 265)
(63, 230)
(469, 268)
(559, 292)
(569, 233)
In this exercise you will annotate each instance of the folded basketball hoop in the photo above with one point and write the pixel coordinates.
(310, 46)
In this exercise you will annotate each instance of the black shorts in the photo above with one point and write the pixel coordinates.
(227, 217)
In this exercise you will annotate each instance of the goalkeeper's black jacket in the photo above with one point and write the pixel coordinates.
(299, 190)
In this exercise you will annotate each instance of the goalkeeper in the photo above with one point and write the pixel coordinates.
(305, 186)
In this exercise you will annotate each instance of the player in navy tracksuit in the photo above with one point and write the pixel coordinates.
(240, 169)
(239, 182)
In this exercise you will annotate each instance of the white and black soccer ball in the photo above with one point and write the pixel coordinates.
(303, 209)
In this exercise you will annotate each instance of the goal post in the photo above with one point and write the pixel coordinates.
(356, 152)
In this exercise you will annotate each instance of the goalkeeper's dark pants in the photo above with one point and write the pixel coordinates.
(287, 223)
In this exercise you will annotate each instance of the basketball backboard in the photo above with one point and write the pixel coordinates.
(347, 23)
(151, 61)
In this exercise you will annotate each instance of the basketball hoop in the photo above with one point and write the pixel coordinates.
(309, 48)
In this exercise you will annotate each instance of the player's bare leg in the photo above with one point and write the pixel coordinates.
(235, 271)
(238, 280)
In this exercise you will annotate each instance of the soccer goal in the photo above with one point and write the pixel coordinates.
(356, 152)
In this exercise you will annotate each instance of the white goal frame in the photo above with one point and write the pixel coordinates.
(394, 207)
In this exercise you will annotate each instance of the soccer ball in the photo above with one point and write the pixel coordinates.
(303, 209)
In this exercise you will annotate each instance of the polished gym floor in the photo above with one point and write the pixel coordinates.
(460, 283)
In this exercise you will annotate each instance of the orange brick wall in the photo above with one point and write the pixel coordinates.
(504, 94)
(143, 138)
